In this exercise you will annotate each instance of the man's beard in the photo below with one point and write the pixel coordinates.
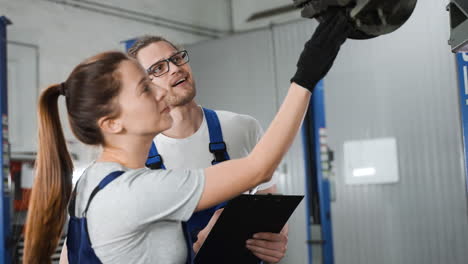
(184, 97)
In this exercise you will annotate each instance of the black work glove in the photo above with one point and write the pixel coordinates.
(321, 50)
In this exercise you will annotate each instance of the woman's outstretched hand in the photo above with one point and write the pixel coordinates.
(321, 50)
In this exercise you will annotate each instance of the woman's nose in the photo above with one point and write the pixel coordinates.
(160, 93)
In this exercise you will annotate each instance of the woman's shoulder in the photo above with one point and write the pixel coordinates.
(99, 170)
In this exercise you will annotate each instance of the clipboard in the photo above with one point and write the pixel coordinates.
(244, 216)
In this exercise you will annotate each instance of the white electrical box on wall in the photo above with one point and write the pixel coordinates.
(373, 161)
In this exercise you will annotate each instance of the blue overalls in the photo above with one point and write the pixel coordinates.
(199, 220)
(78, 243)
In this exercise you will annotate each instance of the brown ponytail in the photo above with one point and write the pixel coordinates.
(52, 184)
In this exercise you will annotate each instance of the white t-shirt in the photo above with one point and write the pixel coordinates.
(240, 133)
(137, 217)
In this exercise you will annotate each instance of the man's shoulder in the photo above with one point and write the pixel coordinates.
(227, 117)
(240, 131)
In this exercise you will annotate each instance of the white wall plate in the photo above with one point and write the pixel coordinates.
(373, 161)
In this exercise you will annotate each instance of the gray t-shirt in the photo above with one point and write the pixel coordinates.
(137, 217)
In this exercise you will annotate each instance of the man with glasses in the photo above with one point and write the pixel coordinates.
(200, 137)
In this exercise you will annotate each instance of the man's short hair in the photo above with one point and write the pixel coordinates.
(145, 41)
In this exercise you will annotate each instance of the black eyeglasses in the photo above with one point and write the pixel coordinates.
(161, 67)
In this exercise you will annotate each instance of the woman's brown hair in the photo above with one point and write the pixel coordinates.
(90, 93)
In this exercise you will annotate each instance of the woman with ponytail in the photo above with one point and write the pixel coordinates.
(53, 183)
(122, 212)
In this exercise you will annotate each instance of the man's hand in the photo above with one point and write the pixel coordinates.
(269, 247)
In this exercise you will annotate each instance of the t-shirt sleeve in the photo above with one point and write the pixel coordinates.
(156, 195)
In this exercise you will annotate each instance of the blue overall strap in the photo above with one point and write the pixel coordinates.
(108, 179)
(217, 145)
(154, 160)
(79, 245)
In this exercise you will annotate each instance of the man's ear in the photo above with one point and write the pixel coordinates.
(110, 125)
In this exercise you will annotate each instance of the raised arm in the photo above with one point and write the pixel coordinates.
(231, 178)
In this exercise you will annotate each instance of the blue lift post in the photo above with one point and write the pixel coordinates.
(5, 228)
(129, 43)
(462, 66)
(317, 161)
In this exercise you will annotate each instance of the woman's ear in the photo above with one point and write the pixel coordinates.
(110, 125)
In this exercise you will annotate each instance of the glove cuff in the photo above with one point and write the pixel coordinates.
(303, 78)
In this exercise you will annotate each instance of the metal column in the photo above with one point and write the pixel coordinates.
(318, 167)
(462, 67)
(5, 227)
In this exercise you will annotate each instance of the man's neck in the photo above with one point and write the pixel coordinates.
(187, 119)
